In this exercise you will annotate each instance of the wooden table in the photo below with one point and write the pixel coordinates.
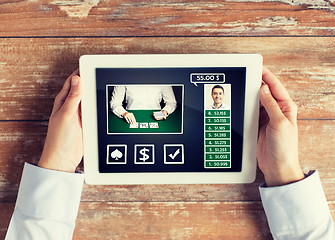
(41, 41)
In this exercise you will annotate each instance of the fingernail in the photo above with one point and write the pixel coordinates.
(75, 80)
(266, 89)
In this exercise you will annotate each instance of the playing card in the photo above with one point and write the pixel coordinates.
(135, 125)
(159, 115)
(144, 125)
(153, 125)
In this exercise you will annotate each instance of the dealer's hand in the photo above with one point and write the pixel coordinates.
(277, 149)
(63, 148)
(158, 118)
(165, 113)
(129, 117)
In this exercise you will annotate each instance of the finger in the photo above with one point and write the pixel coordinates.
(263, 117)
(270, 104)
(79, 114)
(263, 121)
(165, 114)
(67, 85)
(290, 110)
(132, 119)
(279, 92)
(277, 89)
(62, 95)
(74, 97)
(127, 120)
(126, 117)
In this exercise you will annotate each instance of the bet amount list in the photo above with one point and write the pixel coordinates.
(217, 139)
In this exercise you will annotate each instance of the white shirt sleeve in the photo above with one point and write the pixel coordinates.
(298, 210)
(46, 206)
(169, 99)
(117, 99)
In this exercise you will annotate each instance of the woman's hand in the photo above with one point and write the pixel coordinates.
(277, 149)
(63, 148)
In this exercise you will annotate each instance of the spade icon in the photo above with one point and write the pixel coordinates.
(116, 154)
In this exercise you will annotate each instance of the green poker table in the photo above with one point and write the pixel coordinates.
(172, 124)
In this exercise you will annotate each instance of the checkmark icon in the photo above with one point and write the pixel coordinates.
(173, 156)
(173, 153)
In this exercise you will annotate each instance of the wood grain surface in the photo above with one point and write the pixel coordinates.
(41, 42)
(33, 70)
(167, 18)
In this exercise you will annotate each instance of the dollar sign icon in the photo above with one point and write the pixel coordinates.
(144, 154)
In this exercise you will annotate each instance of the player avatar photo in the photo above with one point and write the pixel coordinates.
(217, 96)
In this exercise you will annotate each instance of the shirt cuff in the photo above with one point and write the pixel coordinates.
(296, 206)
(49, 194)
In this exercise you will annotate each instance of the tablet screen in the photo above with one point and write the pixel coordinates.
(181, 119)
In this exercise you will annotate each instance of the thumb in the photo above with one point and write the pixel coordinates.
(270, 104)
(73, 99)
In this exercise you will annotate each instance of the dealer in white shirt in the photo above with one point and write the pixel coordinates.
(218, 95)
(142, 97)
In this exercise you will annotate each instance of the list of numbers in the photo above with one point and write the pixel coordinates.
(217, 132)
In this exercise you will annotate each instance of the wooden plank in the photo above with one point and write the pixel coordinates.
(174, 220)
(167, 18)
(208, 220)
(32, 71)
(6, 211)
(19, 142)
(160, 220)
(23, 141)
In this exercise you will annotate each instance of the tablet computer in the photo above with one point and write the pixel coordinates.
(170, 119)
